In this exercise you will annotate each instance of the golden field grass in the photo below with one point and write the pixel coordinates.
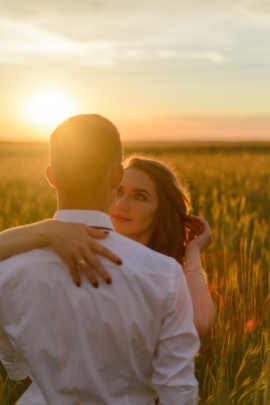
(230, 188)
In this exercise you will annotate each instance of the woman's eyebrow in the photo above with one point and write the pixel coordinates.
(141, 190)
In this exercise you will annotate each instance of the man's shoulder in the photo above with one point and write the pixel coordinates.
(121, 242)
(23, 274)
(33, 256)
(134, 253)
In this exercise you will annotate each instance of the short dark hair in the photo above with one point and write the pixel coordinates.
(82, 149)
(170, 236)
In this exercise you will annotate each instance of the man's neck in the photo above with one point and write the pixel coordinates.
(83, 203)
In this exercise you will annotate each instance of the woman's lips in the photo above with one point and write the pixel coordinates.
(118, 218)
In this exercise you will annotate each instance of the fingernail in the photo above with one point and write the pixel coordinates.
(118, 261)
(108, 280)
(95, 285)
(78, 284)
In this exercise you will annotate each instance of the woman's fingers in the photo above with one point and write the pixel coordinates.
(96, 233)
(100, 249)
(93, 264)
(206, 231)
(201, 229)
(193, 227)
(74, 271)
(198, 222)
(103, 251)
(88, 265)
(78, 245)
(86, 269)
(191, 235)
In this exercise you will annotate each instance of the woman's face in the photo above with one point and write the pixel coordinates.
(134, 209)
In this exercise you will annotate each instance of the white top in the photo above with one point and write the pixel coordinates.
(114, 345)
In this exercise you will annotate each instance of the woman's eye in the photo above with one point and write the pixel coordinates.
(119, 192)
(140, 196)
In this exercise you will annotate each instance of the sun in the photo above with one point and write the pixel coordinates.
(49, 107)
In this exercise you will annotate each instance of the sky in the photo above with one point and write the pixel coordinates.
(159, 69)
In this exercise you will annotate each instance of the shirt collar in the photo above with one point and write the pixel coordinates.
(87, 217)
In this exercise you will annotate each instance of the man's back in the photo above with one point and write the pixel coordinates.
(110, 345)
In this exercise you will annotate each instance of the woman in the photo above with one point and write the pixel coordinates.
(151, 207)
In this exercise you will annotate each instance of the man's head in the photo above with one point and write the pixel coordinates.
(86, 155)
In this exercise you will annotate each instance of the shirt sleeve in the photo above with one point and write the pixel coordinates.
(178, 343)
(11, 360)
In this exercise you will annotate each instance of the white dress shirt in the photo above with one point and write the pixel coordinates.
(118, 344)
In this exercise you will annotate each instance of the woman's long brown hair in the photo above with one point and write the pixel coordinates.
(170, 235)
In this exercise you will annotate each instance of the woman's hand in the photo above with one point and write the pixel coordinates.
(77, 246)
(199, 235)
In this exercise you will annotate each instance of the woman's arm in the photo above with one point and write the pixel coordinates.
(199, 239)
(21, 239)
(73, 242)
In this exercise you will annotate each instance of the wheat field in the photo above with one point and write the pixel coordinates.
(230, 188)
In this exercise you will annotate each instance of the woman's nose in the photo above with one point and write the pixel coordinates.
(122, 203)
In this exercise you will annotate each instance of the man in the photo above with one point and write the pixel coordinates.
(120, 343)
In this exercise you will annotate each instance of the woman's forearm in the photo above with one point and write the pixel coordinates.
(21, 239)
(203, 306)
(74, 243)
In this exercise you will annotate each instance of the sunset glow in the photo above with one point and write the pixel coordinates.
(48, 108)
(171, 70)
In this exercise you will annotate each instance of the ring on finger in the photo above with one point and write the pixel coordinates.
(81, 262)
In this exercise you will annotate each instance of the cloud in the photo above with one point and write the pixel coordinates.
(199, 56)
(261, 8)
(19, 42)
(32, 10)
(112, 32)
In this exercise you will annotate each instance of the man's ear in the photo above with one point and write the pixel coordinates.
(117, 174)
(49, 174)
